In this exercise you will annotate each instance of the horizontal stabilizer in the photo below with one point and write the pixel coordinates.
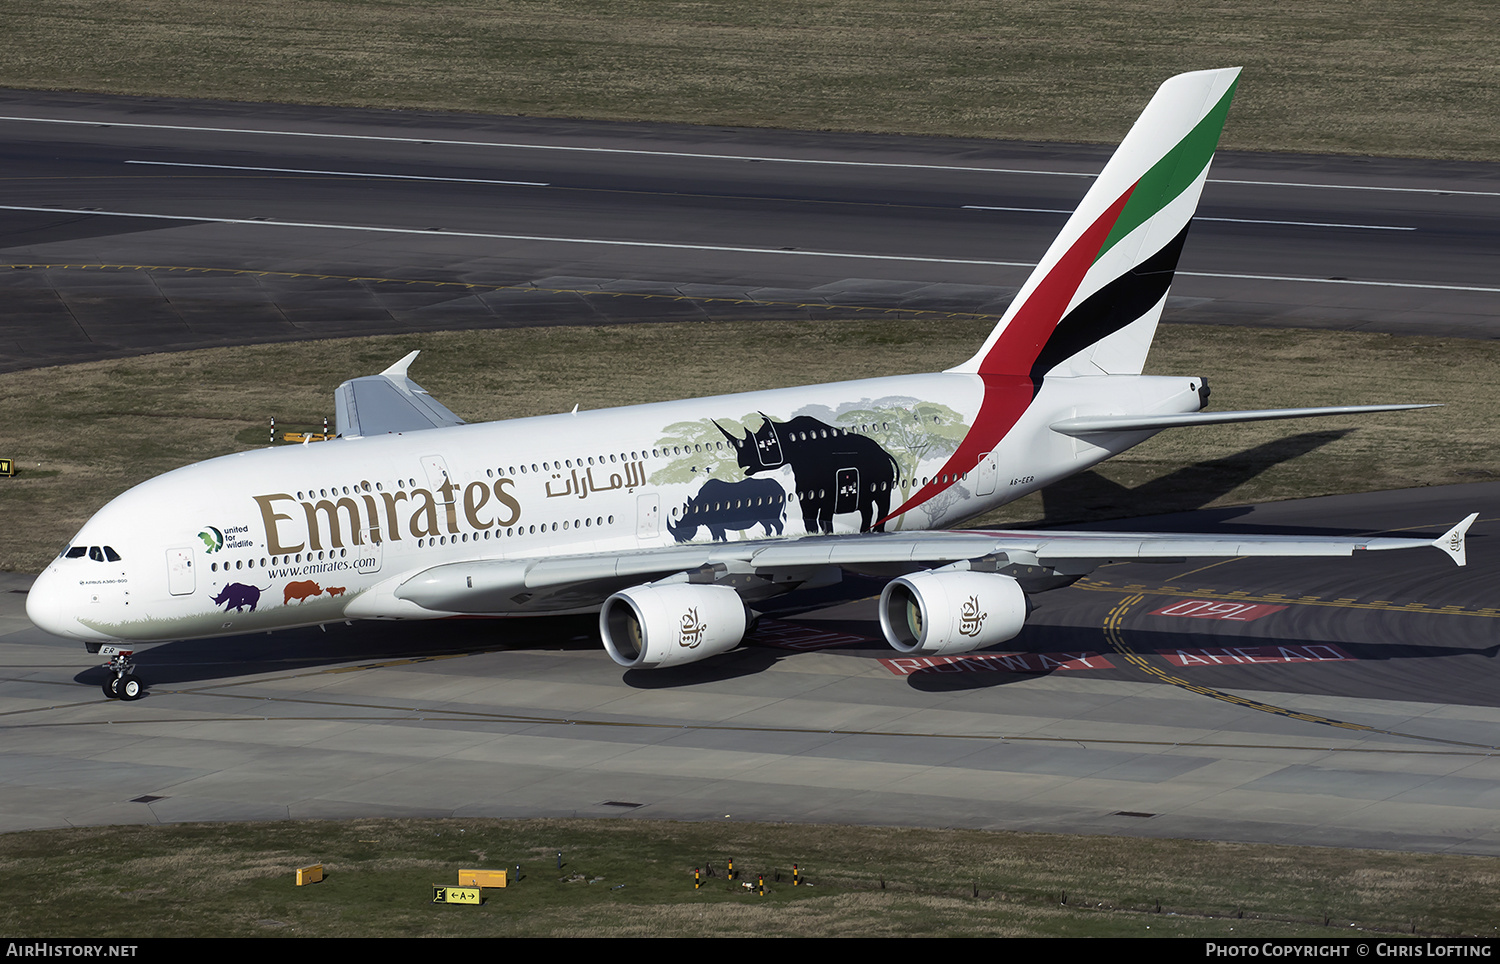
(1099, 424)
(388, 402)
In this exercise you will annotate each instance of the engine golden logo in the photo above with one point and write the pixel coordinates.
(690, 630)
(971, 618)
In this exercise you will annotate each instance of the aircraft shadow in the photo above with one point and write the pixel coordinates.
(310, 649)
(1090, 496)
(1363, 670)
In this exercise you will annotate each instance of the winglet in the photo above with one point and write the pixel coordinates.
(398, 370)
(1452, 541)
(388, 402)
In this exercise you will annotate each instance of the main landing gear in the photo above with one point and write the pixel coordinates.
(122, 684)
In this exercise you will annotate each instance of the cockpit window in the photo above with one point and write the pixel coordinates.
(96, 553)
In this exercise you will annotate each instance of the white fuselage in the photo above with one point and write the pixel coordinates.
(294, 536)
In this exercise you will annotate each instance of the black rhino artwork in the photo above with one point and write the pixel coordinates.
(236, 596)
(721, 506)
(835, 470)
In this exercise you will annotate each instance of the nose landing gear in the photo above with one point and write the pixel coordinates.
(122, 684)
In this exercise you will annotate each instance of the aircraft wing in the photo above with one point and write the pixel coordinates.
(501, 586)
(388, 402)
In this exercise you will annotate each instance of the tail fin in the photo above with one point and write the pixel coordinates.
(1092, 303)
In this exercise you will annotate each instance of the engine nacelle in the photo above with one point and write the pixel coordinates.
(945, 613)
(649, 627)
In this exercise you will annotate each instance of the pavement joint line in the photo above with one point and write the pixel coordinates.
(730, 248)
(455, 716)
(525, 288)
(400, 714)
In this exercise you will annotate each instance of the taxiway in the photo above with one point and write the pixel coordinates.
(1342, 702)
(1362, 708)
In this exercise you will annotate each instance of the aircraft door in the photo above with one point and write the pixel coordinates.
(768, 446)
(371, 553)
(846, 491)
(987, 474)
(648, 516)
(436, 470)
(180, 578)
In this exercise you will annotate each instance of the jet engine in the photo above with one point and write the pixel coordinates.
(945, 613)
(650, 627)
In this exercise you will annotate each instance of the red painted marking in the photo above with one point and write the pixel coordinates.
(774, 632)
(1006, 368)
(1205, 609)
(996, 663)
(1021, 342)
(1246, 655)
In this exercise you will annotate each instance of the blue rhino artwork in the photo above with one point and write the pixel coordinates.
(236, 596)
(835, 470)
(721, 506)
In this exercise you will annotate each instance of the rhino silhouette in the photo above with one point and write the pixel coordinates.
(301, 591)
(835, 470)
(237, 596)
(721, 505)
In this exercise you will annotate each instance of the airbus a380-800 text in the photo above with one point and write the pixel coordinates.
(673, 519)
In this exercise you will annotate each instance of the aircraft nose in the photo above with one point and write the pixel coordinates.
(47, 606)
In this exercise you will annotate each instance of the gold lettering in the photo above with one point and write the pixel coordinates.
(509, 501)
(471, 506)
(427, 512)
(374, 518)
(270, 517)
(449, 490)
(331, 512)
(392, 524)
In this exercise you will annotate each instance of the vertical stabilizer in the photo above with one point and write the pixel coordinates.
(1091, 305)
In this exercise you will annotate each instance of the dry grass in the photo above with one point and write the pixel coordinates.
(82, 434)
(1378, 76)
(236, 880)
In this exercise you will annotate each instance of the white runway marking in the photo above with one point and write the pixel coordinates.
(990, 207)
(701, 156)
(1308, 224)
(439, 232)
(295, 170)
(1299, 224)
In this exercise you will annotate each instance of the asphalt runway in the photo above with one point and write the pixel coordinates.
(1346, 702)
(130, 225)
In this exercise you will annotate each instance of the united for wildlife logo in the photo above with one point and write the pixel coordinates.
(213, 539)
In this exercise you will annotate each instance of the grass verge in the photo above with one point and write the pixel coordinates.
(82, 434)
(1392, 77)
(630, 878)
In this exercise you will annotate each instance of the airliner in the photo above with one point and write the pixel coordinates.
(673, 520)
